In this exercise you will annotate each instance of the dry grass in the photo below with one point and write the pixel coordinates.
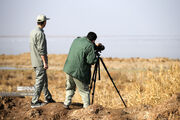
(150, 86)
(140, 81)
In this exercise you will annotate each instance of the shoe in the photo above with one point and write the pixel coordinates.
(50, 101)
(66, 106)
(37, 104)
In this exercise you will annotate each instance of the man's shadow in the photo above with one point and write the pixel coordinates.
(74, 105)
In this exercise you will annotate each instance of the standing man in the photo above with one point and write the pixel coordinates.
(78, 68)
(39, 59)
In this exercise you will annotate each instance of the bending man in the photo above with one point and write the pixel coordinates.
(78, 68)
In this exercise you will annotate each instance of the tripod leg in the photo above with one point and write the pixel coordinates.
(93, 82)
(95, 75)
(99, 70)
(112, 81)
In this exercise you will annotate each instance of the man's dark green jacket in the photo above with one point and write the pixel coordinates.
(80, 58)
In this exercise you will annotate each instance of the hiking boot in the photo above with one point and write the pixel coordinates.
(50, 101)
(37, 104)
(66, 106)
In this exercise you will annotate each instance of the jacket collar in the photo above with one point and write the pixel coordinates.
(38, 28)
(87, 39)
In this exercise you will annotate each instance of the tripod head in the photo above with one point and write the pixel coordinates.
(98, 53)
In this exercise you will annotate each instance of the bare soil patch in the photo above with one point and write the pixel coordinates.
(19, 108)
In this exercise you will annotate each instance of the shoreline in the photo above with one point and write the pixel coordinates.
(170, 58)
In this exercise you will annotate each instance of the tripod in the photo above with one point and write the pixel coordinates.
(93, 81)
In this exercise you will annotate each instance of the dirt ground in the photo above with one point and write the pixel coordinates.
(18, 108)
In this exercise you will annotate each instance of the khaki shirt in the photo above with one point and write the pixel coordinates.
(38, 46)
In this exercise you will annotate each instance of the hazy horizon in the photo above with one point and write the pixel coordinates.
(133, 23)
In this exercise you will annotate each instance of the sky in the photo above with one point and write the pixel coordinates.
(105, 17)
(108, 18)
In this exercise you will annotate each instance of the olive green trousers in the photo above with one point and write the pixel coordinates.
(71, 84)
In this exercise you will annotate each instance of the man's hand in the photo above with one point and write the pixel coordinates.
(44, 58)
(98, 44)
(45, 65)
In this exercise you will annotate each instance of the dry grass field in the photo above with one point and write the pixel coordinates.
(140, 81)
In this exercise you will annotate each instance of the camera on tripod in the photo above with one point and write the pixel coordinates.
(98, 48)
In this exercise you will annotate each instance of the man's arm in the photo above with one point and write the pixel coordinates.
(42, 49)
(91, 56)
(44, 58)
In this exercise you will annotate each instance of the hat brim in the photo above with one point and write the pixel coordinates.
(47, 18)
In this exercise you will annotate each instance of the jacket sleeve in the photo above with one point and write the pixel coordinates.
(41, 44)
(90, 55)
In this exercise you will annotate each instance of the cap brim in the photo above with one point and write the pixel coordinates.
(47, 18)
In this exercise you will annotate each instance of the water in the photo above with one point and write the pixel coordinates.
(13, 68)
(122, 47)
(8, 68)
